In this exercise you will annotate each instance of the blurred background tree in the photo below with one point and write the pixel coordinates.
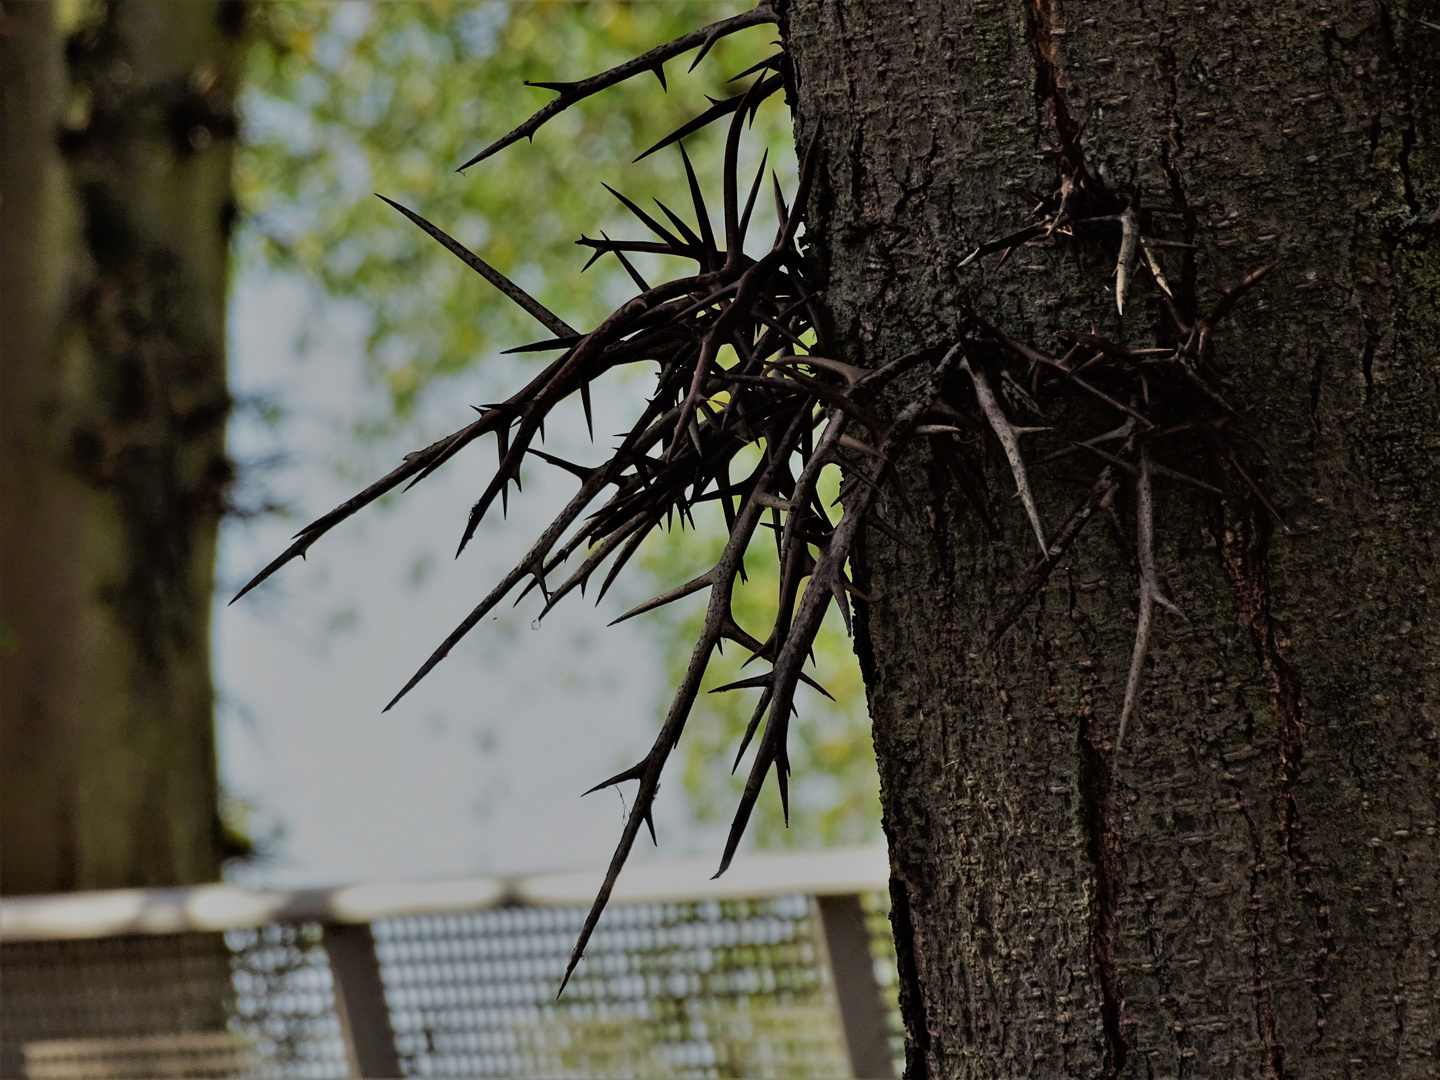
(115, 174)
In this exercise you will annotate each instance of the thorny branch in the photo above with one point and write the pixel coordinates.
(805, 412)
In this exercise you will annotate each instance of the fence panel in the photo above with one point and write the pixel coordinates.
(457, 979)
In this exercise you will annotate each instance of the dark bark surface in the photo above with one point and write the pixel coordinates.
(1253, 888)
(115, 220)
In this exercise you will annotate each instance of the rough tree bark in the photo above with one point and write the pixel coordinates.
(1253, 887)
(115, 176)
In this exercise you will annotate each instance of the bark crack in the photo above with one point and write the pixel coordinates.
(1107, 860)
(918, 1054)
(1167, 991)
(1260, 980)
(1244, 550)
(1044, 17)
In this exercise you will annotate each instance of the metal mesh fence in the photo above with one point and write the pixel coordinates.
(284, 1001)
(65, 1001)
(718, 988)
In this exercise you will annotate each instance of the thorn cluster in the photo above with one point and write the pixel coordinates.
(739, 351)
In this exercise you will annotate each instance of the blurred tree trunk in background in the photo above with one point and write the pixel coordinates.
(115, 178)
(1252, 887)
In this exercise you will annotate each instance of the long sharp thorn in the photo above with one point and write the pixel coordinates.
(1006, 433)
(702, 215)
(552, 322)
(416, 466)
(782, 212)
(1156, 270)
(1129, 247)
(762, 13)
(1232, 296)
(649, 222)
(759, 712)
(1040, 572)
(694, 585)
(560, 463)
(754, 191)
(629, 269)
(720, 108)
(1145, 544)
(536, 555)
(692, 239)
(585, 403)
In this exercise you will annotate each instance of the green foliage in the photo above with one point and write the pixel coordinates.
(345, 101)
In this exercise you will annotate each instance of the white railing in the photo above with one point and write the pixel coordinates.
(839, 941)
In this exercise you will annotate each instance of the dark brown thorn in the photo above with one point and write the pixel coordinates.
(702, 215)
(626, 553)
(678, 592)
(649, 222)
(1094, 391)
(585, 404)
(552, 322)
(1233, 460)
(720, 108)
(536, 555)
(1232, 296)
(972, 492)
(634, 275)
(584, 88)
(593, 558)
(734, 240)
(816, 601)
(1004, 243)
(635, 772)
(849, 372)
(582, 471)
(699, 251)
(808, 164)
(782, 212)
(1041, 569)
(416, 466)
(750, 203)
(745, 684)
(754, 723)
(889, 530)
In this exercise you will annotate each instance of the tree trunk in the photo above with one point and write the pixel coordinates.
(115, 174)
(1251, 886)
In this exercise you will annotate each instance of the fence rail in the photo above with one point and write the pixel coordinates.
(783, 967)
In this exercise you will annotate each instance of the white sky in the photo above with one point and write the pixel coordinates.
(480, 769)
